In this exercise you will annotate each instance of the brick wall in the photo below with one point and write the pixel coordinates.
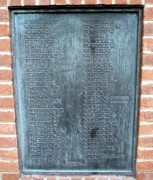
(9, 168)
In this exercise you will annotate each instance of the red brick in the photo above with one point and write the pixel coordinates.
(4, 44)
(5, 60)
(4, 15)
(116, 177)
(148, 28)
(8, 166)
(29, 2)
(90, 1)
(149, 1)
(145, 141)
(15, 2)
(106, 1)
(4, 30)
(38, 178)
(146, 102)
(7, 129)
(121, 1)
(6, 103)
(6, 89)
(90, 177)
(147, 59)
(8, 142)
(146, 129)
(102, 178)
(25, 177)
(60, 2)
(127, 178)
(5, 75)
(7, 116)
(147, 74)
(8, 154)
(3, 2)
(145, 176)
(146, 116)
(144, 166)
(147, 89)
(51, 178)
(76, 2)
(135, 2)
(10, 177)
(63, 177)
(148, 44)
(44, 2)
(148, 13)
(147, 154)
(77, 178)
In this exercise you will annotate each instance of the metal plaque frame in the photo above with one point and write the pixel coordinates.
(77, 9)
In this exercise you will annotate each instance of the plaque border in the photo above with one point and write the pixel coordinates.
(14, 10)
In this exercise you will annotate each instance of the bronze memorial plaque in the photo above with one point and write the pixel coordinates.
(76, 86)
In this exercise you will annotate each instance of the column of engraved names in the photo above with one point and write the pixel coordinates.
(43, 104)
(99, 121)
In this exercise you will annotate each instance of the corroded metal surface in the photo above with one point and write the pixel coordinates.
(76, 74)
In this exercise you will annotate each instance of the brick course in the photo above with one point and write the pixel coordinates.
(7, 154)
(10, 176)
(15, 3)
(5, 60)
(7, 116)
